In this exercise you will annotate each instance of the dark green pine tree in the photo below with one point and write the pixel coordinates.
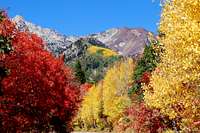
(79, 73)
(149, 61)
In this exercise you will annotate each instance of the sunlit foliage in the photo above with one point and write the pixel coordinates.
(174, 87)
(39, 93)
(140, 119)
(117, 81)
(103, 105)
(106, 52)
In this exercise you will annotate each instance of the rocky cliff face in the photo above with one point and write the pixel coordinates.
(126, 41)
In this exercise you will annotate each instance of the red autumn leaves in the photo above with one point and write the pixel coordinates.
(39, 90)
(142, 120)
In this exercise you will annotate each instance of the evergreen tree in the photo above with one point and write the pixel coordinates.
(79, 73)
(146, 64)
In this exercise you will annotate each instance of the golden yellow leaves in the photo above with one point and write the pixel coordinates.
(116, 85)
(109, 97)
(106, 52)
(176, 85)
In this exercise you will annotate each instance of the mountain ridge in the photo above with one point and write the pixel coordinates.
(126, 41)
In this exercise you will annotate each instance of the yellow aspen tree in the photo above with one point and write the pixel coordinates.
(88, 113)
(175, 84)
(116, 84)
(105, 102)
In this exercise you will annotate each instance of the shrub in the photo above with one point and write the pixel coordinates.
(140, 119)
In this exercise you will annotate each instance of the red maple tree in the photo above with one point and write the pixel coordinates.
(40, 93)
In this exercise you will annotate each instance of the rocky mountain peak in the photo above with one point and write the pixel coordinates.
(18, 18)
(125, 41)
(20, 22)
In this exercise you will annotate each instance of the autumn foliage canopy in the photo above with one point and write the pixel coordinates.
(39, 93)
(104, 103)
(174, 86)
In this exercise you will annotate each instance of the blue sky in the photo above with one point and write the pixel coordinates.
(80, 17)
